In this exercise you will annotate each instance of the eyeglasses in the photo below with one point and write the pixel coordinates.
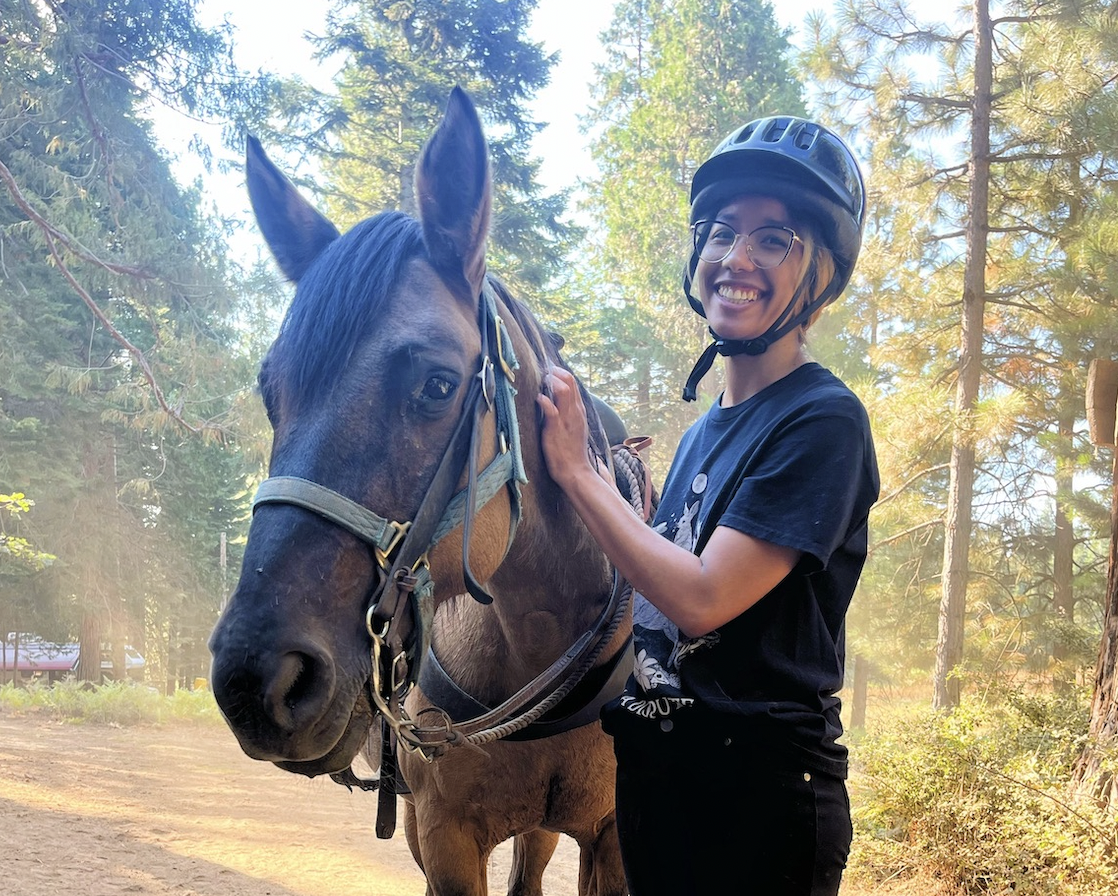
(766, 247)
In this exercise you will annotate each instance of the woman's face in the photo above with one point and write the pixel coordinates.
(741, 300)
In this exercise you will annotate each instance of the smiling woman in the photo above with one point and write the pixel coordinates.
(759, 542)
(746, 285)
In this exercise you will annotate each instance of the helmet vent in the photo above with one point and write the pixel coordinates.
(805, 137)
(775, 131)
(745, 133)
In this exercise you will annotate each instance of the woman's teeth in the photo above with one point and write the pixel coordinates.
(734, 294)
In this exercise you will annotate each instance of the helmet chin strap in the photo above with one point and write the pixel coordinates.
(757, 346)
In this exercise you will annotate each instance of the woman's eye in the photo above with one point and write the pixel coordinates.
(438, 388)
(722, 235)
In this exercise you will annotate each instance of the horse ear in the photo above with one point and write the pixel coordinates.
(295, 232)
(454, 194)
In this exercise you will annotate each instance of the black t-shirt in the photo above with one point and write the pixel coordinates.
(803, 455)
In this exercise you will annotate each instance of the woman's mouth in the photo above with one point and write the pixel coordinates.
(738, 295)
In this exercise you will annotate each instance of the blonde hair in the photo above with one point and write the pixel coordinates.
(817, 270)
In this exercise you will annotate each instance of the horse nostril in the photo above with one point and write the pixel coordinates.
(293, 694)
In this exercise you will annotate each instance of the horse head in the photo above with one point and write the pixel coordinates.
(366, 386)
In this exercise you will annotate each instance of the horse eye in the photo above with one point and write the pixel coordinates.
(438, 388)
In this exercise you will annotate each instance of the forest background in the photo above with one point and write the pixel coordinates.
(131, 438)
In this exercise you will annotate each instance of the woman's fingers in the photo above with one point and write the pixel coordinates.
(565, 432)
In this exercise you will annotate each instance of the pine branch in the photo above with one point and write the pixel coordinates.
(99, 137)
(935, 101)
(54, 238)
(900, 489)
(65, 239)
(927, 524)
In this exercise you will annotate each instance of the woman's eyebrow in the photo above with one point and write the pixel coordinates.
(731, 218)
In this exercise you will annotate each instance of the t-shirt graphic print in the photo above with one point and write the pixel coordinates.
(660, 647)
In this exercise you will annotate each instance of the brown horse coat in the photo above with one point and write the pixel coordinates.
(363, 387)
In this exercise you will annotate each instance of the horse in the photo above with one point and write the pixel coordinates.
(397, 341)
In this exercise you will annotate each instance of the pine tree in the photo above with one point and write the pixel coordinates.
(114, 311)
(995, 303)
(680, 75)
(399, 63)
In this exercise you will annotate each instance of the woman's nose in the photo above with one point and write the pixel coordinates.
(738, 259)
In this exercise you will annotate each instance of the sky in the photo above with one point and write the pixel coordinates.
(270, 35)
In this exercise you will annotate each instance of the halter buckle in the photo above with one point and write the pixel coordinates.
(384, 555)
(488, 381)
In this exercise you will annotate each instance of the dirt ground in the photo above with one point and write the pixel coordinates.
(99, 811)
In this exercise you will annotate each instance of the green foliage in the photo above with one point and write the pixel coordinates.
(977, 800)
(18, 557)
(1038, 541)
(120, 703)
(399, 62)
(120, 370)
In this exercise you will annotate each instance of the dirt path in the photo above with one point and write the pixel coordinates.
(98, 811)
(88, 810)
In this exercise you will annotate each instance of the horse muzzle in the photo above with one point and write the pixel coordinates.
(290, 696)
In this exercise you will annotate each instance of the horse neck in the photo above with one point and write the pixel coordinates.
(555, 565)
(550, 589)
(551, 586)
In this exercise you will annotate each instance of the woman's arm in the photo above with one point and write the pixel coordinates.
(698, 593)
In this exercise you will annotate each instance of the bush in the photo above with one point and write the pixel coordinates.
(978, 801)
(115, 703)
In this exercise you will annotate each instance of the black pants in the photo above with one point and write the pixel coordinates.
(700, 814)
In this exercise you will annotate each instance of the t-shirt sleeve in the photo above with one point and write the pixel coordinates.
(805, 487)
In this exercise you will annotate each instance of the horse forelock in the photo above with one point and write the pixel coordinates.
(339, 299)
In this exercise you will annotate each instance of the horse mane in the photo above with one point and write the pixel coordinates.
(541, 342)
(340, 297)
(545, 346)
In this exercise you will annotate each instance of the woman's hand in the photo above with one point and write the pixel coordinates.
(697, 593)
(565, 436)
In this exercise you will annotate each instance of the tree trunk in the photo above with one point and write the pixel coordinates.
(644, 391)
(1091, 779)
(1063, 571)
(17, 678)
(89, 647)
(120, 660)
(958, 522)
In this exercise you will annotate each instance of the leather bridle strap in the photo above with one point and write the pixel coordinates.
(408, 573)
(401, 548)
(398, 655)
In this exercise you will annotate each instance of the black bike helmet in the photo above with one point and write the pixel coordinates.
(814, 173)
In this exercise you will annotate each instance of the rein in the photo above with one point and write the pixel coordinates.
(511, 720)
(519, 713)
